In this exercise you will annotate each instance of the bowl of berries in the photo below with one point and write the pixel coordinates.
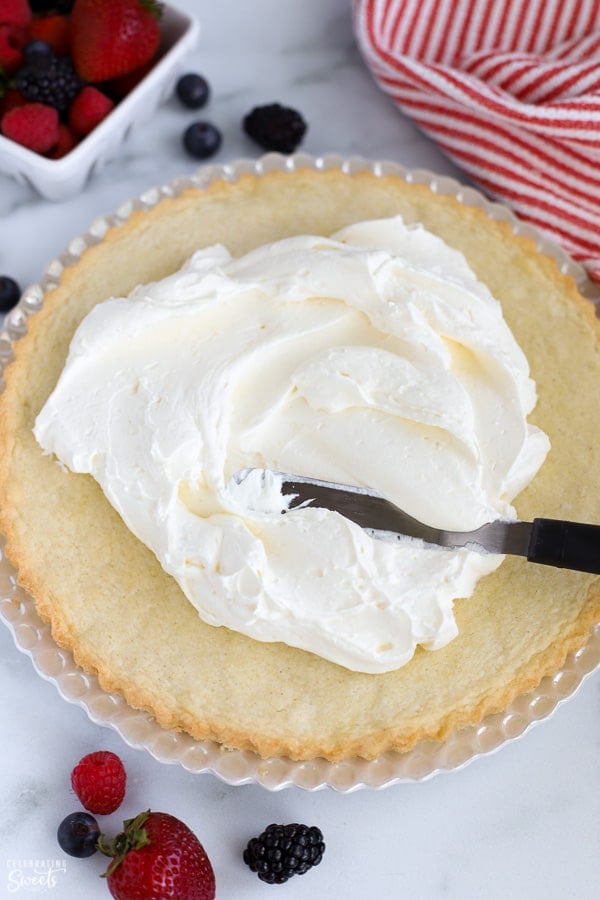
(76, 76)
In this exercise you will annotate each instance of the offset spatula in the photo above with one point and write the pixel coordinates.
(552, 542)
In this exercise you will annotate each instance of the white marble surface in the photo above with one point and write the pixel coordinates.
(523, 823)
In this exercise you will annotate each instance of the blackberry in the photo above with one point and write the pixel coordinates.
(284, 850)
(49, 79)
(275, 127)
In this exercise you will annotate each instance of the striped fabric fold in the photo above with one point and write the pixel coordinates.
(510, 91)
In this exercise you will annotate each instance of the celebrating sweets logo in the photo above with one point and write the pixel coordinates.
(34, 875)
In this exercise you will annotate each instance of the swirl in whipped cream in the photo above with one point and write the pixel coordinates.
(373, 357)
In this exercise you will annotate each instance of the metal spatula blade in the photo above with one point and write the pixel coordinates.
(553, 542)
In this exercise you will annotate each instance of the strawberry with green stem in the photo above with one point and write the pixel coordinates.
(157, 857)
(112, 37)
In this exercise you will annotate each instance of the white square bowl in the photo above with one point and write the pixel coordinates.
(56, 179)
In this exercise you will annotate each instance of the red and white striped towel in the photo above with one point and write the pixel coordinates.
(510, 90)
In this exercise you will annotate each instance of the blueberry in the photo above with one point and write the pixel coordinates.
(9, 293)
(78, 834)
(201, 139)
(193, 90)
(37, 52)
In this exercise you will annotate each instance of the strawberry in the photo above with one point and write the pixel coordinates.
(157, 857)
(123, 85)
(88, 109)
(33, 125)
(54, 30)
(67, 139)
(15, 12)
(112, 37)
(99, 780)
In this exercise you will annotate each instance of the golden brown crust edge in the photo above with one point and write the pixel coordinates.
(369, 745)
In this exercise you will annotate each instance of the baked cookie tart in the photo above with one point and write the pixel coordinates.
(206, 690)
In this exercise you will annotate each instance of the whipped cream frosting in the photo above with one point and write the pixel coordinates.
(373, 357)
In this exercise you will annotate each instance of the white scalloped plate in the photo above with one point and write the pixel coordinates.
(137, 728)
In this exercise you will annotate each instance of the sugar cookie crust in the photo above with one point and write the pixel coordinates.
(108, 600)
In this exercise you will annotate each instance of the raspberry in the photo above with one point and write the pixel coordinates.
(284, 850)
(275, 127)
(51, 80)
(67, 139)
(99, 780)
(10, 50)
(15, 12)
(33, 125)
(88, 109)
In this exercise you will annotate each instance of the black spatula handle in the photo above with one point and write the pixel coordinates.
(568, 545)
